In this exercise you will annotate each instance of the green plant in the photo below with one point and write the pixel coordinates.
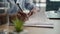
(18, 24)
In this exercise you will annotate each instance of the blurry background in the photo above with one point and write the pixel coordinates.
(53, 8)
(40, 18)
(3, 12)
